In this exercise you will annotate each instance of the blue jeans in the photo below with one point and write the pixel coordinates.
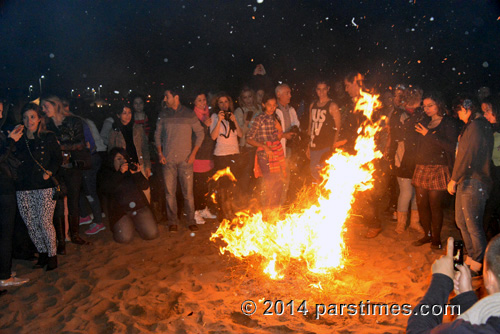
(316, 164)
(184, 172)
(90, 191)
(469, 209)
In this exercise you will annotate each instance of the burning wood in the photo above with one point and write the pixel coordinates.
(313, 233)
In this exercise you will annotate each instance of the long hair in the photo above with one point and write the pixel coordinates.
(42, 126)
(494, 102)
(215, 100)
(437, 97)
(110, 161)
(244, 90)
(58, 105)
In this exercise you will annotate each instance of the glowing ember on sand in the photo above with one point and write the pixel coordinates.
(313, 234)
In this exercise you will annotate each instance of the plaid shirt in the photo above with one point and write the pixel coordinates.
(264, 129)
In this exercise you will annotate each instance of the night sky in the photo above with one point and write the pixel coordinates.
(214, 45)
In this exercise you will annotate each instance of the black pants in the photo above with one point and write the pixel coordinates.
(430, 211)
(72, 178)
(8, 208)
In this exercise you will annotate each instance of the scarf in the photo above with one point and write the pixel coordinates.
(202, 114)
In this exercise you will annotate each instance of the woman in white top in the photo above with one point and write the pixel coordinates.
(225, 130)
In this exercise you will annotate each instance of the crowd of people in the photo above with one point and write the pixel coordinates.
(135, 169)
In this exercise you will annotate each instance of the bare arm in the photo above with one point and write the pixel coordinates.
(335, 112)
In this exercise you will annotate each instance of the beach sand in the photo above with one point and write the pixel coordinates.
(180, 283)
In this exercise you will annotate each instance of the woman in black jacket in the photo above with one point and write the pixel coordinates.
(124, 183)
(434, 162)
(69, 132)
(41, 157)
(7, 200)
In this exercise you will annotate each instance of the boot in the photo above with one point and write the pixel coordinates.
(402, 217)
(61, 240)
(42, 261)
(415, 222)
(74, 226)
(51, 263)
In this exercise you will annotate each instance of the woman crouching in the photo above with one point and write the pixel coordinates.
(41, 157)
(124, 183)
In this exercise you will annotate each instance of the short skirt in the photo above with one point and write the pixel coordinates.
(431, 177)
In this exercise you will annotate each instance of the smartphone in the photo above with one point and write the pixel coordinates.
(458, 253)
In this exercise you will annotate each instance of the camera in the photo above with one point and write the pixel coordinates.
(132, 166)
(458, 253)
(227, 115)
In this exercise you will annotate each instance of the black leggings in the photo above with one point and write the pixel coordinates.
(72, 178)
(430, 210)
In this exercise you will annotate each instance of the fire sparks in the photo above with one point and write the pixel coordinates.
(312, 235)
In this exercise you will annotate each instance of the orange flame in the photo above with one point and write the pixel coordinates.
(313, 234)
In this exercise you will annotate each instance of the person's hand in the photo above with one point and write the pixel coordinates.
(288, 135)
(463, 280)
(47, 175)
(124, 168)
(340, 143)
(220, 116)
(269, 152)
(191, 158)
(232, 117)
(17, 133)
(162, 158)
(148, 172)
(452, 187)
(421, 129)
(444, 265)
(208, 122)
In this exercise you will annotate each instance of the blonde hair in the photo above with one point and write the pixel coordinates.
(58, 105)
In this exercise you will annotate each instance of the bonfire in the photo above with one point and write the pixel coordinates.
(313, 233)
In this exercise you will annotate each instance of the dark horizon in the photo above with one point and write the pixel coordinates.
(452, 46)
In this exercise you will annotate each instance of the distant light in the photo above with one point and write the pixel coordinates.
(42, 77)
(260, 1)
(116, 92)
(431, 19)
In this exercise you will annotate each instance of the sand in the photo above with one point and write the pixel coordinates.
(180, 283)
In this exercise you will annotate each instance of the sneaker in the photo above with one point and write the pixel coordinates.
(205, 213)
(172, 228)
(193, 228)
(13, 281)
(199, 218)
(85, 220)
(95, 228)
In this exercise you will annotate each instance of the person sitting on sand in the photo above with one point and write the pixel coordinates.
(476, 316)
(129, 208)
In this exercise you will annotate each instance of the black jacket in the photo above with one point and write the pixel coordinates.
(125, 191)
(45, 149)
(69, 134)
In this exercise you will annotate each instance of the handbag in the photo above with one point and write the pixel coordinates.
(81, 159)
(60, 188)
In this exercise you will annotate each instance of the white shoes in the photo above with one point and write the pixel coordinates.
(198, 218)
(13, 281)
(205, 213)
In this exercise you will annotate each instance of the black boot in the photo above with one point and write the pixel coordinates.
(42, 261)
(74, 226)
(61, 238)
(51, 263)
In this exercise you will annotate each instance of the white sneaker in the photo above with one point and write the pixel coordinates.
(205, 213)
(198, 218)
(13, 281)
